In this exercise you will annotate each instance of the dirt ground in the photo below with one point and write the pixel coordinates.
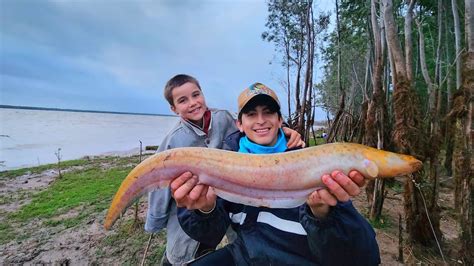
(88, 243)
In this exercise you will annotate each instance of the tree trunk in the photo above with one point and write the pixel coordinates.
(374, 124)
(448, 139)
(407, 136)
(433, 146)
(457, 38)
(288, 83)
(333, 132)
(306, 102)
(464, 165)
(409, 41)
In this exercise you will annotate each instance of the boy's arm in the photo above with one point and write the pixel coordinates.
(337, 233)
(339, 188)
(294, 138)
(208, 228)
(344, 237)
(205, 218)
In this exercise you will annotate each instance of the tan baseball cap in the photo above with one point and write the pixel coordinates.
(254, 90)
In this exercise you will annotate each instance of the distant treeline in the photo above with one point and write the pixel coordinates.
(75, 110)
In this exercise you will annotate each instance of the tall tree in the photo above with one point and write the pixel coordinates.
(293, 29)
(461, 113)
(375, 128)
(406, 135)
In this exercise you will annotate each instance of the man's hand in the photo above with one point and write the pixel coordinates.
(189, 194)
(339, 187)
(294, 140)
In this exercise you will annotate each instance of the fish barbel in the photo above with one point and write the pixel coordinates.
(282, 180)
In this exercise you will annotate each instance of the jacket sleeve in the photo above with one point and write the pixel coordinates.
(159, 202)
(344, 237)
(205, 228)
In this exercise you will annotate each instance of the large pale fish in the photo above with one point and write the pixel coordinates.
(282, 180)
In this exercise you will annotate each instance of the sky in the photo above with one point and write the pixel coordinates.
(117, 55)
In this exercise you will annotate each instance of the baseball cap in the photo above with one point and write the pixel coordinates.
(255, 90)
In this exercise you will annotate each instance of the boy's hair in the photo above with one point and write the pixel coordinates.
(177, 81)
(260, 100)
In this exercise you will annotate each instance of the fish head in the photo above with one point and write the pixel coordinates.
(390, 164)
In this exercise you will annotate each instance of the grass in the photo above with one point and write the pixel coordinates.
(85, 192)
(6, 232)
(381, 223)
(91, 187)
(317, 141)
(396, 186)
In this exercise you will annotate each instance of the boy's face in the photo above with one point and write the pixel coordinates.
(188, 102)
(260, 125)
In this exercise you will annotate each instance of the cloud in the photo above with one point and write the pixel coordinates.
(107, 53)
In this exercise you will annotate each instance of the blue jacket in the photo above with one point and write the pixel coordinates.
(285, 236)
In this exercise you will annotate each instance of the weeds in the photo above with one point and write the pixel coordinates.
(6, 233)
(381, 223)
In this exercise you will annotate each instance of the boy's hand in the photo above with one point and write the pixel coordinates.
(339, 187)
(189, 194)
(294, 140)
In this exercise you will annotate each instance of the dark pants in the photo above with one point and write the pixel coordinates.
(219, 257)
(203, 249)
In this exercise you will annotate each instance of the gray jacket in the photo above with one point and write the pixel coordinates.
(161, 213)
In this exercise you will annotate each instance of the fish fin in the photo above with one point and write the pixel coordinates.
(371, 168)
(261, 202)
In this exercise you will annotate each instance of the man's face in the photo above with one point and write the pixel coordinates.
(188, 102)
(260, 125)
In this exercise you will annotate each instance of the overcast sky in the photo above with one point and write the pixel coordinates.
(117, 55)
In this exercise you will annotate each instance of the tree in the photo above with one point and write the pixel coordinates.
(415, 81)
(461, 115)
(293, 29)
(375, 128)
(407, 136)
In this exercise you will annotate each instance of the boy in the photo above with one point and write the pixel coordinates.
(320, 231)
(198, 127)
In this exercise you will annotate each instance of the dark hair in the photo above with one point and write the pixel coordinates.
(177, 81)
(260, 100)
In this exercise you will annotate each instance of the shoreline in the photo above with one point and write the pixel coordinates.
(117, 153)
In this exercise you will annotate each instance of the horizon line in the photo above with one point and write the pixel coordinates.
(5, 106)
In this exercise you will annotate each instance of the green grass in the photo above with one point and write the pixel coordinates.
(80, 196)
(381, 223)
(6, 232)
(317, 141)
(85, 191)
(396, 186)
(90, 187)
